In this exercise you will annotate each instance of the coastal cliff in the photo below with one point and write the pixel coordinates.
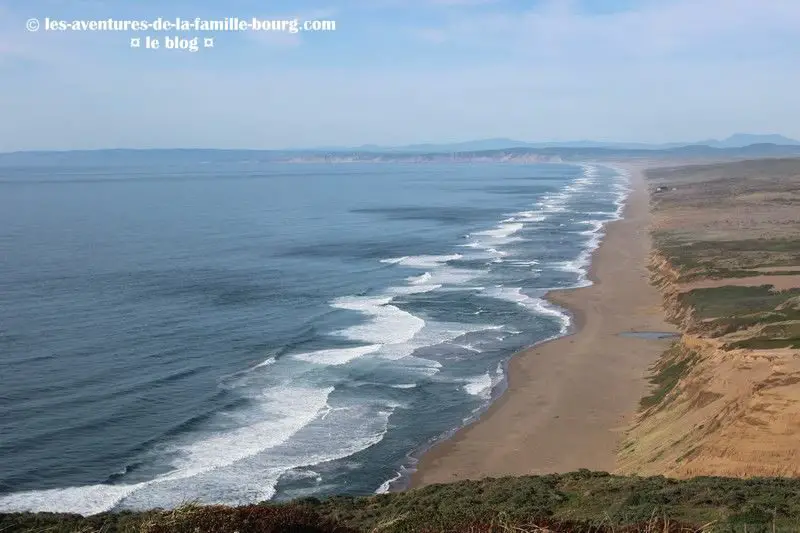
(725, 398)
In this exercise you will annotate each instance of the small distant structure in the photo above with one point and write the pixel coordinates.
(662, 189)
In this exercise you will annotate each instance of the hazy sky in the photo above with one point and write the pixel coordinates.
(404, 71)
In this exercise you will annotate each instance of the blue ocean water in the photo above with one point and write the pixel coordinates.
(225, 332)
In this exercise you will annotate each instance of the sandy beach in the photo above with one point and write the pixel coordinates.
(569, 400)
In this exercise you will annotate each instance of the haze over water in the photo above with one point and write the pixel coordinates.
(235, 332)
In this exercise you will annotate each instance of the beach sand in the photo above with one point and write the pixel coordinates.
(569, 400)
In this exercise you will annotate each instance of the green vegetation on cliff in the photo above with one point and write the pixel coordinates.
(698, 257)
(729, 301)
(669, 369)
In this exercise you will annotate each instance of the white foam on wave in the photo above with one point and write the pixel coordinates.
(531, 263)
(589, 170)
(596, 227)
(422, 261)
(414, 288)
(419, 280)
(288, 409)
(503, 230)
(580, 265)
(230, 468)
(438, 273)
(418, 367)
(345, 429)
(623, 190)
(553, 203)
(480, 386)
(390, 385)
(385, 324)
(483, 385)
(468, 347)
(391, 333)
(267, 362)
(489, 241)
(386, 485)
(468, 288)
(337, 356)
(293, 475)
(445, 277)
(537, 306)
(487, 250)
(576, 266)
(495, 251)
(86, 500)
(529, 216)
(433, 334)
(557, 202)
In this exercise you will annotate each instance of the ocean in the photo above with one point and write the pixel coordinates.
(236, 332)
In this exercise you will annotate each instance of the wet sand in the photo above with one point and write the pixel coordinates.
(569, 400)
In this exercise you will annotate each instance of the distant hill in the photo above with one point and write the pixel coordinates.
(767, 144)
(737, 140)
(585, 150)
(467, 146)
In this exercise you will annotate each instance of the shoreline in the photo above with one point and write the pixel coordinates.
(567, 400)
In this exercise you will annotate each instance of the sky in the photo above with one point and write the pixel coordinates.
(402, 71)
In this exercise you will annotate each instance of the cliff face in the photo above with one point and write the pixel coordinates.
(726, 258)
(666, 277)
(726, 397)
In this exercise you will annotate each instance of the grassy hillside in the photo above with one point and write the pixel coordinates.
(576, 502)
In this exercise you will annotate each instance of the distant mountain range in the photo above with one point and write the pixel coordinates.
(741, 145)
(252, 158)
(738, 140)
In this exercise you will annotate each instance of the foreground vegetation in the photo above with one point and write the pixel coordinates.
(577, 502)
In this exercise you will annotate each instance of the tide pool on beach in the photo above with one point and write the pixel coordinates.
(235, 332)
